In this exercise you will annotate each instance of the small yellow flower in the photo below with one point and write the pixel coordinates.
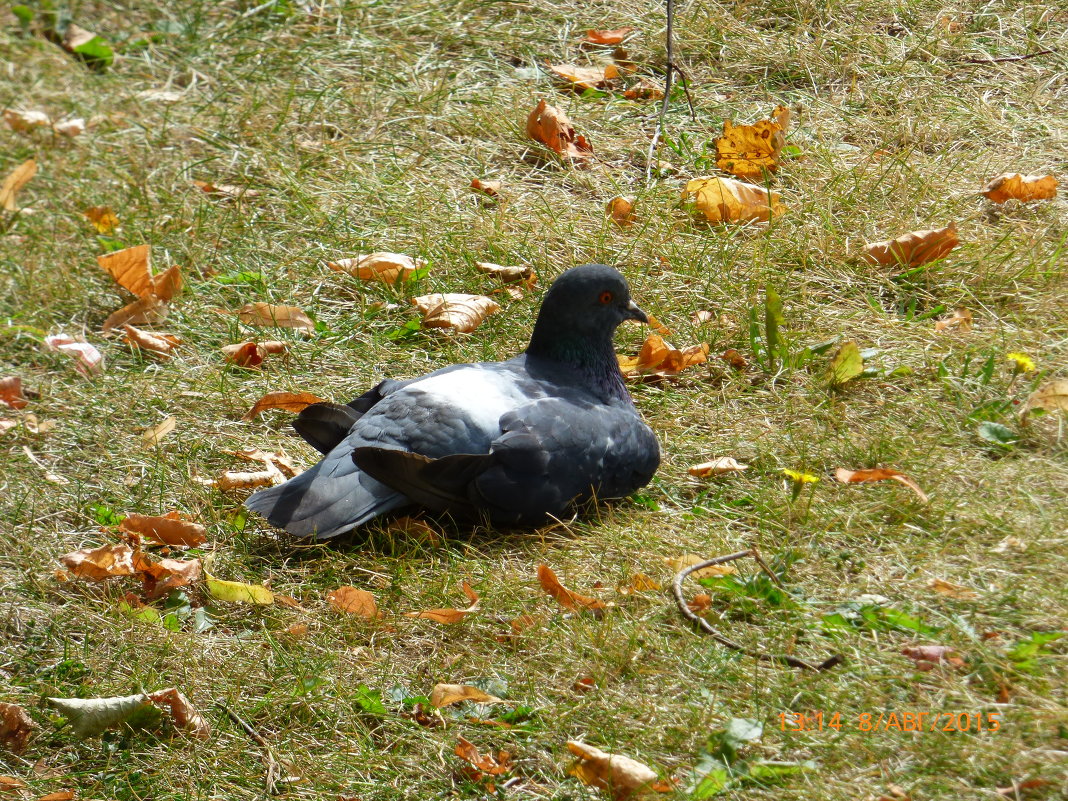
(798, 477)
(1023, 363)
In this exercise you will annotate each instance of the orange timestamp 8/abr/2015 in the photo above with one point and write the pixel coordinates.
(893, 721)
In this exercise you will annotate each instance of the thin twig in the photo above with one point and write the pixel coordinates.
(275, 769)
(686, 89)
(1005, 59)
(707, 627)
(763, 566)
(667, 91)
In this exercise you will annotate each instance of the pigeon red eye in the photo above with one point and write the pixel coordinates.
(606, 298)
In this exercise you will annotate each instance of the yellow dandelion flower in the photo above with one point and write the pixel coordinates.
(1023, 363)
(798, 477)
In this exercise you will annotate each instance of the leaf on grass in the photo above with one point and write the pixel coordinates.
(354, 601)
(449, 616)
(878, 474)
(1019, 788)
(1050, 397)
(639, 582)
(623, 777)
(607, 37)
(680, 563)
(1014, 186)
(59, 795)
(444, 695)
(928, 657)
(154, 435)
(101, 563)
(16, 728)
(238, 592)
(103, 219)
(160, 344)
(14, 182)
(482, 766)
(586, 77)
(252, 354)
(914, 248)
(846, 364)
(10, 783)
(747, 151)
(287, 401)
(620, 210)
(723, 200)
(718, 467)
(488, 188)
(647, 89)
(567, 598)
(509, 275)
(168, 529)
(11, 392)
(951, 590)
(233, 479)
(183, 713)
(227, 191)
(92, 716)
(25, 121)
(386, 267)
(960, 320)
(132, 269)
(70, 128)
(462, 313)
(550, 126)
(735, 359)
(148, 310)
(1010, 545)
(659, 359)
(269, 315)
(160, 577)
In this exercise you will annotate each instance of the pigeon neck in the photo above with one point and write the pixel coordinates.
(591, 357)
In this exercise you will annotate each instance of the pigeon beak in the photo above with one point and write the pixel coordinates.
(634, 313)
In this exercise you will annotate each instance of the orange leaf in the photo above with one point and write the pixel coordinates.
(487, 764)
(463, 313)
(509, 275)
(183, 712)
(735, 359)
(354, 601)
(658, 359)
(928, 657)
(623, 777)
(747, 151)
(101, 563)
(1014, 186)
(161, 577)
(914, 248)
(621, 211)
(586, 77)
(266, 314)
(59, 795)
(489, 188)
(961, 319)
(567, 598)
(607, 37)
(444, 695)
(169, 529)
(287, 401)
(449, 616)
(878, 474)
(550, 126)
(148, 310)
(386, 267)
(160, 344)
(645, 89)
(11, 392)
(16, 728)
(14, 182)
(102, 218)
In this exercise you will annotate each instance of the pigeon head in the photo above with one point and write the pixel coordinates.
(579, 314)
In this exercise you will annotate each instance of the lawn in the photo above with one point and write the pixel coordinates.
(358, 127)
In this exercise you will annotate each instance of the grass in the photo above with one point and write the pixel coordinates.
(362, 125)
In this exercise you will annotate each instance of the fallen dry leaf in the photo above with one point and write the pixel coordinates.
(878, 474)
(11, 783)
(14, 182)
(463, 313)
(700, 603)
(550, 126)
(162, 576)
(69, 128)
(914, 248)
(748, 151)
(386, 267)
(621, 211)
(586, 77)
(269, 315)
(16, 728)
(278, 459)
(30, 423)
(1010, 545)
(482, 766)
(252, 354)
(567, 598)
(961, 320)
(11, 392)
(449, 616)
(723, 200)
(621, 776)
(233, 479)
(24, 121)
(928, 657)
(88, 358)
(227, 191)
(287, 401)
(444, 695)
(1019, 787)
(59, 795)
(160, 344)
(1014, 186)
(101, 563)
(148, 310)
(659, 359)
(680, 563)
(509, 275)
(639, 582)
(735, 359)
(153, 435)
(607, 37)
(182, 711)
(103, 219)
(488, 188)
(718, 467)
(950, 590)
(168, 529)
(132, 269)
(1050, 397)
(354, 601)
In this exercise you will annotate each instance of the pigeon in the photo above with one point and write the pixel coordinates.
(517, 442)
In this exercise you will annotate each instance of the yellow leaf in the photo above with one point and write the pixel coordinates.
(747, 151)
(950, 590)
(1014, 186)
(154, 435)
(238, 593)
(586, 77)
(723, 200)
(103, 219)
(680, 563)
(463, 313)
(914, 248)
(444, 695)
(1050, 397)
(15, 180)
